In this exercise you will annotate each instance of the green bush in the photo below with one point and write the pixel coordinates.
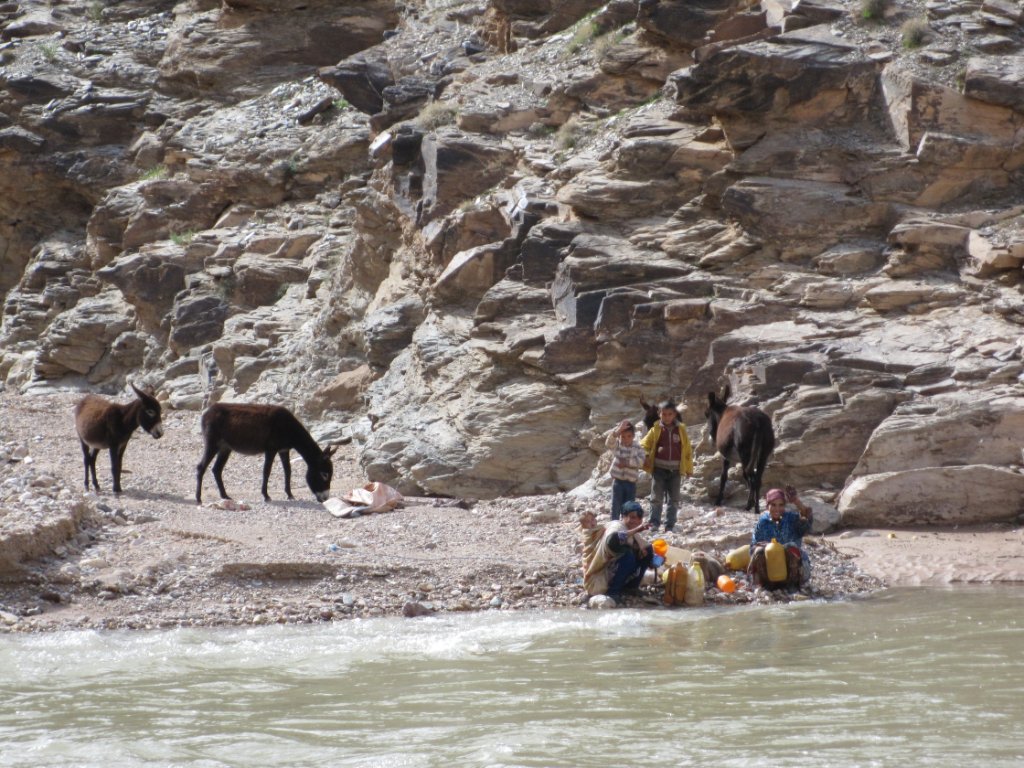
(569, 133)
(915, 33)
(183, 238)
(873, 10)
(606, 42)
(156, 172)
(435, 114)
(585, 32)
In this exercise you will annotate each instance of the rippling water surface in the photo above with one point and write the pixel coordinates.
(914, 677)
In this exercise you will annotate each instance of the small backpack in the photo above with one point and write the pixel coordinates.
(675, 584)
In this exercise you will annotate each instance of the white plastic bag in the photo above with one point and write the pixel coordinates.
(375, 497)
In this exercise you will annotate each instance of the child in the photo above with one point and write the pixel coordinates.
(626, 465)
(669, 456)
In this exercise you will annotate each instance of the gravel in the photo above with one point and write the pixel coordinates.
(152, 558)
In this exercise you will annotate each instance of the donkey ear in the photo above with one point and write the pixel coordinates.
(726, 393)
(644, 404)
(712, 398)
(146, 397)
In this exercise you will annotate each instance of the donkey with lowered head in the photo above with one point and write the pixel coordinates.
(268, 429)
(744, 434)
(103, 424)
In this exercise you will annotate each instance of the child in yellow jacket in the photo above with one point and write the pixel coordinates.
(669, 455)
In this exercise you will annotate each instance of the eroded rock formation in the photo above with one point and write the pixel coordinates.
(473, 234)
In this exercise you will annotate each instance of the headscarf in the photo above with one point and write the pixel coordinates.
(773, 494)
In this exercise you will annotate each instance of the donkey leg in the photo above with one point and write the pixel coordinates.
(93, 455)
(204, 462)
(89, 459)
(115, 466)
(85, 461)
(756, 475)
(721, 482)
(218, 467)
(750, 478)
(286, 465)
(268, 464)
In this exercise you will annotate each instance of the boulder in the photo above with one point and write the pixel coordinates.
(471, 273)
(261, 280)
(978, 493)
(197, 318)
(458, 167)
(406, 98)
(803, 216)
(822, 444)
(361, 79)
(533, 18)
(683, 23)
(997, 80)
(79, 338)
(344, 392)
(151, 278)
(389, 329)
(915, 107)
(597, 195)
(807, 77)
(948, 432)
(243, 47)
(444, 425)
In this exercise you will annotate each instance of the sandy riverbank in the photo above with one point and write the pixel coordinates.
(935, 556)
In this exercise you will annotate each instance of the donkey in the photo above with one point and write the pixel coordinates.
(743, 434)
(651, 413)
(103, 424)
(267, 429)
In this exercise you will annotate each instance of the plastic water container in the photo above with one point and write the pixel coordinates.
(677, 555)
(694, 584)
(726, 584)
(775, 560)
(738, 559)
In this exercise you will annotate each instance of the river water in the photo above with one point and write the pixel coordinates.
(910, 677)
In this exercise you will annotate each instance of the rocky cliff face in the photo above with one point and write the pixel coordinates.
(473, 234)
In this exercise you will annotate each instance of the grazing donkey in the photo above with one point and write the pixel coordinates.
(267, 429)
(103, 424)
(743, 434)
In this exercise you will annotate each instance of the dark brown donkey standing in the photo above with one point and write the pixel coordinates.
(268, 429)
(103, 424)
(744, 434)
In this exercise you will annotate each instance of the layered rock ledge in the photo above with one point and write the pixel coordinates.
(471, 234)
